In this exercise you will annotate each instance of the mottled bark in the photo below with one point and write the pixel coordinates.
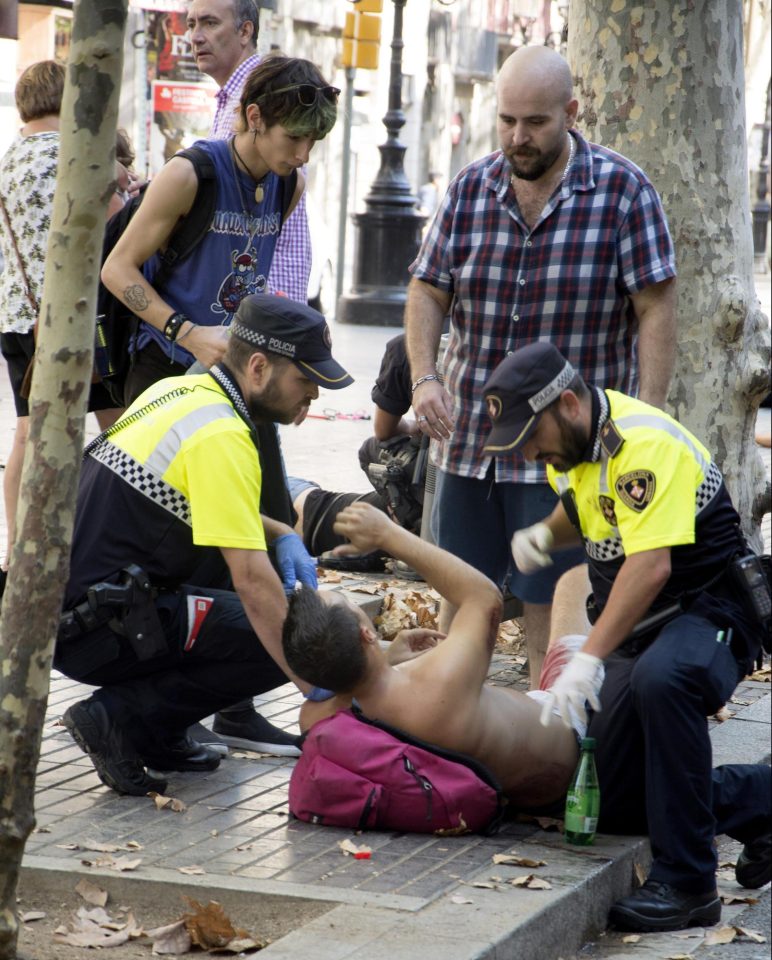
(40, 560)
(663, 84)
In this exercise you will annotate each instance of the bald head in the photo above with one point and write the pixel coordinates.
(538, 68)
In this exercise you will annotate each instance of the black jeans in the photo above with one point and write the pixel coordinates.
(654, 754)
(194, 677)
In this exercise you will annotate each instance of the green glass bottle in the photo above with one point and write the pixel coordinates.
(583, 798)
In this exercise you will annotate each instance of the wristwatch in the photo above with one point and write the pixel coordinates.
(172, 326)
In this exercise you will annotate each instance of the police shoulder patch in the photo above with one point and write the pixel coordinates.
(610, 438)
(636, 489)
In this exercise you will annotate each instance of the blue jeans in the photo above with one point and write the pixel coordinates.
(475, 520)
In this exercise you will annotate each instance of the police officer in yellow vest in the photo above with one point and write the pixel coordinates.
(173, 607)
(671, 626)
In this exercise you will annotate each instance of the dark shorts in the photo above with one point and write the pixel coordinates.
(18, 349)
(148, 367)
(319, 513)
(475, 520)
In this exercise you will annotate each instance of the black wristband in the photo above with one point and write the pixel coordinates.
(172, 326)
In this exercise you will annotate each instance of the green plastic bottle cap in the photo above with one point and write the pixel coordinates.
(588, 743)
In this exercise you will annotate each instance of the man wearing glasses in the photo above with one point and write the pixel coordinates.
(223, 34)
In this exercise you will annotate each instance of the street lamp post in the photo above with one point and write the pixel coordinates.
(761, 208)
(388, 232)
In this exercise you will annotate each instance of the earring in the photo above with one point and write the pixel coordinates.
(254, 136)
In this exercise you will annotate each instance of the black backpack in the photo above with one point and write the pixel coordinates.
(116, 325)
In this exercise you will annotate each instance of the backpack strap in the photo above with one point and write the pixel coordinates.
(289, 185)
(192, 229)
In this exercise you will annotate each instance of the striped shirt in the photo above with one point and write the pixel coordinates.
(601, 237)
(292, 261)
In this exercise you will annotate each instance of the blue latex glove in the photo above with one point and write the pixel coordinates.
(294, 562)
(318, 694)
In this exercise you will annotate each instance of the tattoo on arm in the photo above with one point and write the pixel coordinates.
(135, 298)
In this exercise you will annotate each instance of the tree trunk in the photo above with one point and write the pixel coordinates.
(39, 564)
(663, 84)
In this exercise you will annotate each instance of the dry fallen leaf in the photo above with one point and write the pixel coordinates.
(171, 939)
(751, 935)
(484, 885)
(727, 897)
(721, 935)
(723, 714)
(631, 938)
(240, 945)
(125, 863)
(458, 831)
(209, 926)
(764, 675)
(517, 861)
(32, 915)
(460, 899)
(167, 803)
(538, 884)
(91, 893)
(370, 588)
(530, 882)
(678, 956)
(193, 871)
(248, 755)
(640, 874)
(95, 928)
(550, 823)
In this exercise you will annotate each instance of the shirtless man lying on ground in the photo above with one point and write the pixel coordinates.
(440, 696)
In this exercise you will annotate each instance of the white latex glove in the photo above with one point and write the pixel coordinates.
(530, 548)
(579, 682)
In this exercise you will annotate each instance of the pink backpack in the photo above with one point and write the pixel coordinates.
(364, 774)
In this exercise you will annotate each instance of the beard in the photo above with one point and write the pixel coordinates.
(574, 442)
(268, 407)
(530, 163)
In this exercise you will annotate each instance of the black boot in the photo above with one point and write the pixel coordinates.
(114, 758)
(754, 865)
(658, 906)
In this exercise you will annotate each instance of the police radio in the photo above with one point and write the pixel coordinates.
(751, 574)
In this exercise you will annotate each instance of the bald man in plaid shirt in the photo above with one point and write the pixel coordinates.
(549, 238)
(223, 34)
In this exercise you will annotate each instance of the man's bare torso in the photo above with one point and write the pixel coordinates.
(498, 726)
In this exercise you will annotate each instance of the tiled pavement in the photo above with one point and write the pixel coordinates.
(236, 827)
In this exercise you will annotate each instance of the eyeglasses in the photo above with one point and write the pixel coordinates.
(307, 93)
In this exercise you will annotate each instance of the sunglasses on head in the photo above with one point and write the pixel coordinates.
(307, 93)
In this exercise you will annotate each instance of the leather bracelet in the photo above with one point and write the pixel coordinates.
(172, 326)
(420, 380)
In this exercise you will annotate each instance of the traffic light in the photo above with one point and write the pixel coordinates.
(362, 35)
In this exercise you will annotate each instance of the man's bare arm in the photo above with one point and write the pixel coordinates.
(655, 308)
(260, 591)
(426, 308)
(460, 584)
(169, 197)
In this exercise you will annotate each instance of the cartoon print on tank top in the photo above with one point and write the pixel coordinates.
(240, 282)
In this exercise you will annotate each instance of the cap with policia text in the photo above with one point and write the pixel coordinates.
(290, 329)
(522, 385)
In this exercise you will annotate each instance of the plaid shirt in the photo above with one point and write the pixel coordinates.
(291, 265)
(601, 237)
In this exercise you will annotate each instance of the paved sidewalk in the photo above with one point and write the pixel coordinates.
(416, 896)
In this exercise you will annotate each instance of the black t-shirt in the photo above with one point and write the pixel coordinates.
(392, 388)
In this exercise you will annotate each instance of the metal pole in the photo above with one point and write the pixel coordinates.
(344, 183)
(761, 208)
